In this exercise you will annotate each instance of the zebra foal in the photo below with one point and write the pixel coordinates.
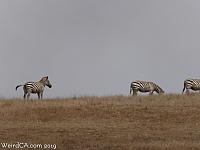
(193, 84)
(144, 86)
(35, 87)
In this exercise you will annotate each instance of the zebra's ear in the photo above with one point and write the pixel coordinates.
(46, 77)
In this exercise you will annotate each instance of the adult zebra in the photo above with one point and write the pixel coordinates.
(35, 87)
(144, 86)
(193, 84)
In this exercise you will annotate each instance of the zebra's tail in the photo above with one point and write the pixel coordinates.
(18, 86)
(130, 89)
(183, 88)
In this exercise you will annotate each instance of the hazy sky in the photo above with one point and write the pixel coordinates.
(97, 47)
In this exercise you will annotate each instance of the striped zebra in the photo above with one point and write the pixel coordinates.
(35, 87)
(193, 84)
(144, 86)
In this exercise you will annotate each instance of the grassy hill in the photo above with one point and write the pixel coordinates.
(105, 123)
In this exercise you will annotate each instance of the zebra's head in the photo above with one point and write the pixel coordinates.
(159, 90)
(46, 81)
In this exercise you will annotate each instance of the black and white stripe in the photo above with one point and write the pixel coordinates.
(144, 86)
(193, 84)
(35, 87)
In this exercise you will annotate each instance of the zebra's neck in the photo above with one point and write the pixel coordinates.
(43, 82)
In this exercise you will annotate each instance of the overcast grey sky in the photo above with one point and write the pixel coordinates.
(97, 47)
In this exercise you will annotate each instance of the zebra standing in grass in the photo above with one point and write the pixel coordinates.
(144, 86)
(35, 87)
(193, 84)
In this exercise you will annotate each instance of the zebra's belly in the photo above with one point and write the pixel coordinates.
(144, 90)
(195, 88)
(34, 92)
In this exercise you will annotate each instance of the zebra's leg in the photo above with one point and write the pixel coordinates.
(25, 92)
(25, 95)
(134, 93)
(28, 95)
(38, 95)
(41, 95)
(187, 91)
(151, 93)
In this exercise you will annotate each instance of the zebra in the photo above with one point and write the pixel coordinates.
(35, 87)
(144, 86)
(193, 84)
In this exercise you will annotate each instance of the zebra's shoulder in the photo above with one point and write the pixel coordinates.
(151, 82)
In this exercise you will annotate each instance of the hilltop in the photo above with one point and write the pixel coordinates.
(114, 123)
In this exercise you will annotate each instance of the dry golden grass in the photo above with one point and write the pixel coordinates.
(104, 123)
